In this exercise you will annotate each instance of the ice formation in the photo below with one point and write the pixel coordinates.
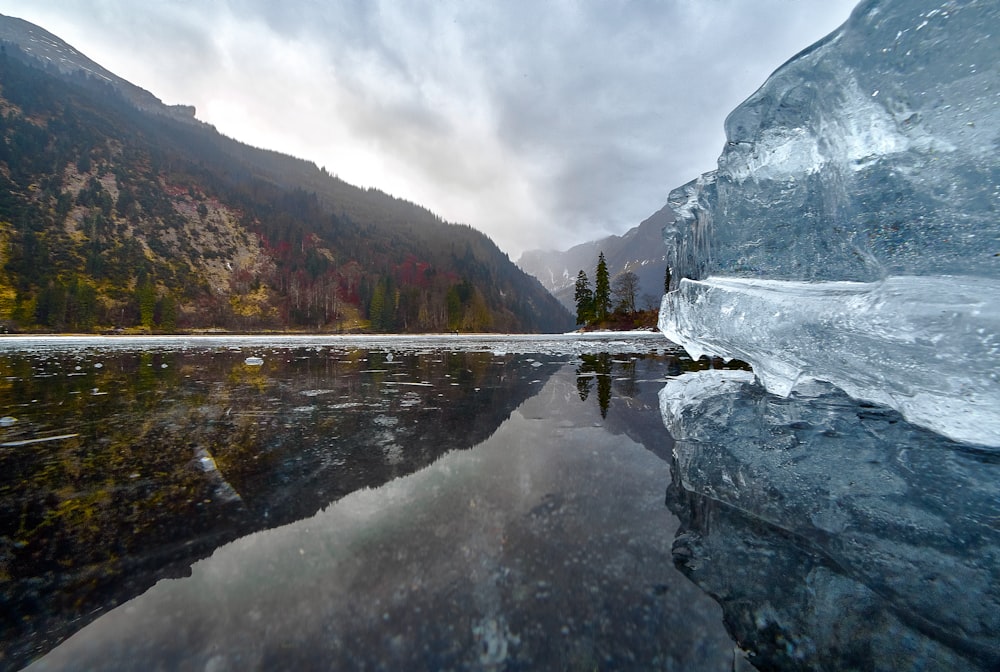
(850, 233)
(833, 533)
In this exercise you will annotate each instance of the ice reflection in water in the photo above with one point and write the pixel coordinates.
(834, 534)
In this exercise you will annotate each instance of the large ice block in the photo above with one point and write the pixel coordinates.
(870, 158)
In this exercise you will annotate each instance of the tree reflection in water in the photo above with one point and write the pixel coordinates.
(622, 372)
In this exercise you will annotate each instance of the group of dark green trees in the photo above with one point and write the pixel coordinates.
(594, 306)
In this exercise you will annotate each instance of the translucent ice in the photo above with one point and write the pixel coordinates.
(921, 345)
(850, 233)
(834, 534)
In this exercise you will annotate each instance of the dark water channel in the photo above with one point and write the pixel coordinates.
(397, 503)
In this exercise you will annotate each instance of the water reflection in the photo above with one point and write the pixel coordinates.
(834, 534)
(607, 368)
(122, 467)
(543, 547)
(124, 461)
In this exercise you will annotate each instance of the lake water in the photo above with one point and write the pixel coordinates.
(343, 503)
(474, 503)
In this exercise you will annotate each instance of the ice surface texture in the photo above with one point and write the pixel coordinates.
(926, 346)
(872, 153)
(870, 157)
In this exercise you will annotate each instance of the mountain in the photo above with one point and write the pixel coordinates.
(120, 212)
(640, 250)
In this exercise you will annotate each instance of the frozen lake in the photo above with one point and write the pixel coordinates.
(344, 503)
(484, 503)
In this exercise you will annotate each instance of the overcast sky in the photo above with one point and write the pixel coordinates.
(543, 124)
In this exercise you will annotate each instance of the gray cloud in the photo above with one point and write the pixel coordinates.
(542, 124)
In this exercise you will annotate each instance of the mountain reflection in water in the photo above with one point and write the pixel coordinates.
(546, 542)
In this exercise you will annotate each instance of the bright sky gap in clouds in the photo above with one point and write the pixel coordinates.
(543, 124)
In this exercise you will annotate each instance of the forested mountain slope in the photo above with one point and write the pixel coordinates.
(112, 216)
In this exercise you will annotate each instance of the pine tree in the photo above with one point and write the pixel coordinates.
(146, 294)
(168, 313)
(584, 297)
(453, 302)
(602, 290)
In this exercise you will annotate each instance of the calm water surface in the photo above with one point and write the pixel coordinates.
(475, 503)
(343, 503)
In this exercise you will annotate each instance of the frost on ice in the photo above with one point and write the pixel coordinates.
(851, 231)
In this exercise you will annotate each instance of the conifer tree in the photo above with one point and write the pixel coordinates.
(168, 313)
(146, 294)
(602, 290)
(584, 297)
